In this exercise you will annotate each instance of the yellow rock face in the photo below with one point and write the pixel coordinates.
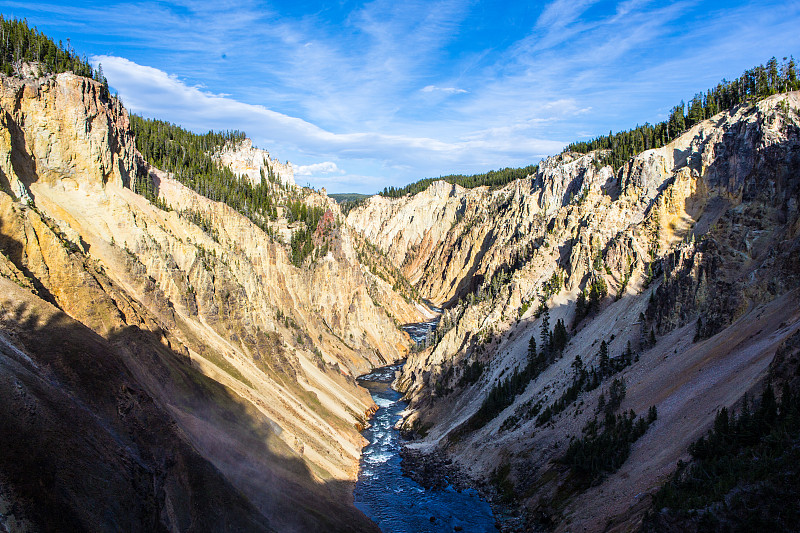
(286, 342)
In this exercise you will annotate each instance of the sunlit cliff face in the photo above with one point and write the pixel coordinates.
(189, 306)
(694, 245)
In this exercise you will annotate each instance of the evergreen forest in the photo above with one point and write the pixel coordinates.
(618, 148)
(190, 158)
(745, 472)
(755, 84)
(20, 43)
(494, 179)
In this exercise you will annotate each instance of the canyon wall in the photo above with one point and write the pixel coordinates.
(687, 259)
(212, 364)
(179, 356)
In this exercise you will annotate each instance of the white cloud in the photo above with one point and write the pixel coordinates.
(561, 13)
(155, 93)
(448, 90)
(327, 167)
(379, 88)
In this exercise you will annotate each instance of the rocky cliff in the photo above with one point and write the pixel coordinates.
(252, 163)
(675, 276)
(177, 356)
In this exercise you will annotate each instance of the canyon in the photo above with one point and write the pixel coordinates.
(176, 355)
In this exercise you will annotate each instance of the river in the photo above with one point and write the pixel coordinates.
(393, 501)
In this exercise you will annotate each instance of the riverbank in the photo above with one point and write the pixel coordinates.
(432, 470)
(435, 471)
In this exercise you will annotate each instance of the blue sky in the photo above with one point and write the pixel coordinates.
(359, 96)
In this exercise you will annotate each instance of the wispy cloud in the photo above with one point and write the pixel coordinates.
(326, 167)
(562, 13)
(155, 93)
(447, 90)
(390, 92)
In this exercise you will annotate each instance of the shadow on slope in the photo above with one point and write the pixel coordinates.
(124, 434)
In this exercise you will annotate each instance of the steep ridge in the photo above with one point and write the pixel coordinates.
(248, 360)
(449, 240)
(416, 233)
(677, 276)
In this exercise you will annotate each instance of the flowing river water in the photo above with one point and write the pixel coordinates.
(393, 501)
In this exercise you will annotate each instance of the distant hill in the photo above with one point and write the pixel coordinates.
(494, 179)
(342, 197)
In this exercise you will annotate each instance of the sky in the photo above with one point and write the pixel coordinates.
(364, 95)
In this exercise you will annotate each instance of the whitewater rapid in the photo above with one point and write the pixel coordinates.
(395, 502)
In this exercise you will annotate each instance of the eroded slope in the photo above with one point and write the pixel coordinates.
(687, 259)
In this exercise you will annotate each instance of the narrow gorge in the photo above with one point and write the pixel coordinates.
(190, 341)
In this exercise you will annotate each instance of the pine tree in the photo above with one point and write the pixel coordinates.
(603, 361)
(577, 366)
(580, 307)
(628, 357)
(545, 332)
(560, 336)
(768, 410)
(532, 350)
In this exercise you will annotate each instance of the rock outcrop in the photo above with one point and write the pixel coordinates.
(247, 161)
(449, 241)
